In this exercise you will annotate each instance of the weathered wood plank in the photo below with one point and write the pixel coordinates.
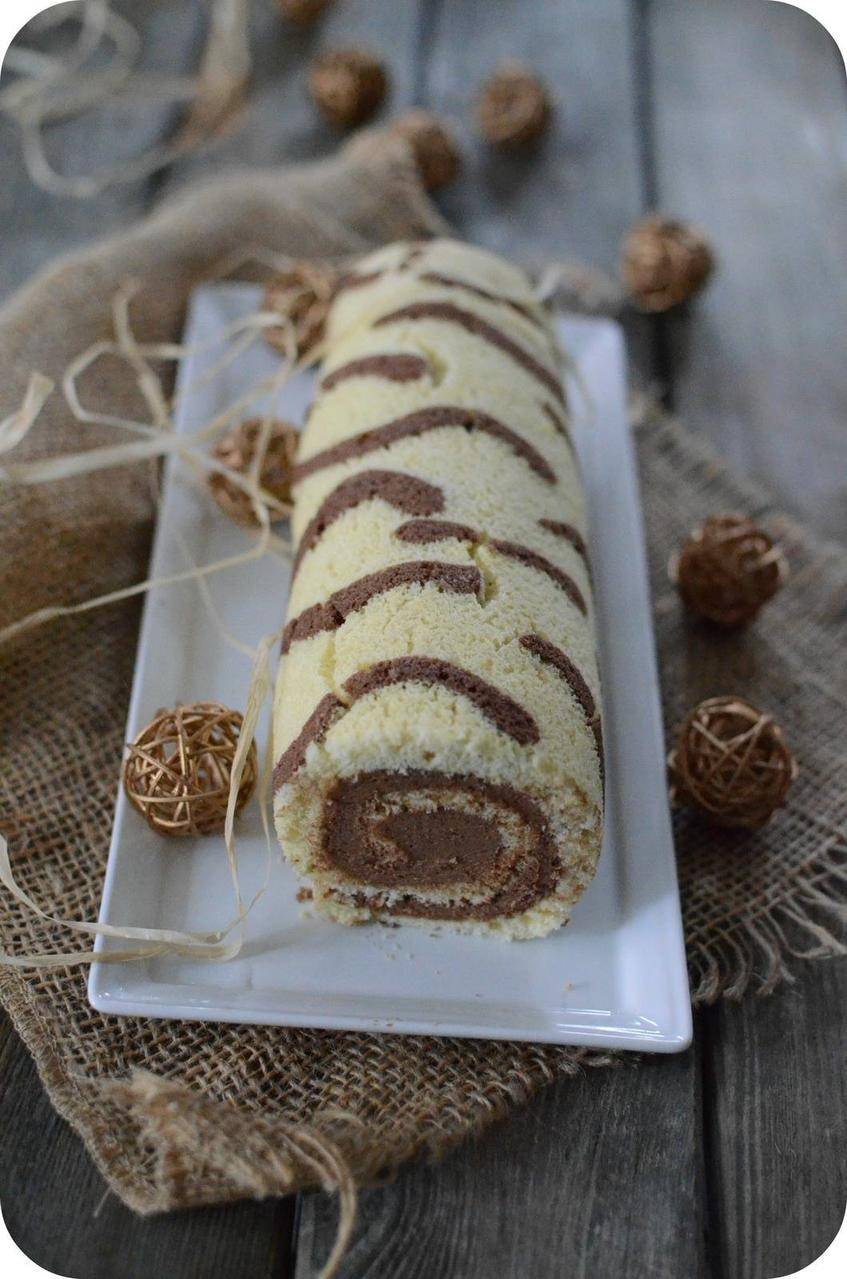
(57, 1209)
(748, 120)
(38, 225)
(576, 193)
(543, 1195)
(280, 122)
(598, 1177)
(776, 1125)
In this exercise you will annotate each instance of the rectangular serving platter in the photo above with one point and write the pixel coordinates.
(614, 977)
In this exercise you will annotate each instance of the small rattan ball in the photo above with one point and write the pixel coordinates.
(303, 12)
(348, 85)
(178, 770)
(728, 570)
(513, 107)
(433, 145)
(665, 262)
(237, 450)
(301, 297)
(732, 763)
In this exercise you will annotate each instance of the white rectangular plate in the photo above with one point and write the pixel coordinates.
(614, 977)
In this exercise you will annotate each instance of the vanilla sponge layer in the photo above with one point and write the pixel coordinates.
(541, 591)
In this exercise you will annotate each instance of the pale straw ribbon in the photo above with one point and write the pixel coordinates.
(159, 439)
(48, 90)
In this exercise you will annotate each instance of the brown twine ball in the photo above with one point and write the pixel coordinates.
(665, 262)
(301, 296)
(731, 762)
(347, 85)
(728, 570)
(303, 12)
(433, 145)
(236, 450)
(178, 770)
(513, 107)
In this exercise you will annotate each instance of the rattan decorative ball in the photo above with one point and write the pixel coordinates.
(303, 12)
(347, 85)
(665, 262)
(301, 297)
(728, 570)
(732, 763)
(433, 145)
(178, 770)
(513, 107)
(237, 450)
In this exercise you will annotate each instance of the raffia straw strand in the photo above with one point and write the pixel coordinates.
(162, 440)
(15, 427)
(71, 88)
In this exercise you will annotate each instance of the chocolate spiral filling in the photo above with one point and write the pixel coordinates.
(474, 324)
(418, 423)
(432, 831)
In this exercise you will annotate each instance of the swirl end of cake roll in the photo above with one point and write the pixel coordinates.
(437, 719)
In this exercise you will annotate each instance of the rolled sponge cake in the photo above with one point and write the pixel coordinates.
(437, 715)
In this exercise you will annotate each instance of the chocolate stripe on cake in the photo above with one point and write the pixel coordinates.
(569, 533)
(532, 559)
(558, 424)
(452, 282)
(573, 677)
(351, 280)
(392, 367)
(458, 578)
(401, 830)
(508, 715)
(405, 493)
(418, 423)
(451, 314)
(314, 730)
(424, 531)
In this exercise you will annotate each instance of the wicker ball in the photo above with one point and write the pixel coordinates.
(433, 145)
(731, 762)
(513, 107)
(665, 262)
(347, 85)
(303, 12)
(301, 296)
(728, 570)
(236, 450)
(178, 770)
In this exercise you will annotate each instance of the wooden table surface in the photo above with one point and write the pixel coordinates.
(728, 1160)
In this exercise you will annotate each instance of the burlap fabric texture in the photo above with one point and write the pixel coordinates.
(178, 1113)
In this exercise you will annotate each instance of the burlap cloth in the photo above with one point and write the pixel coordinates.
(176, 1113)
